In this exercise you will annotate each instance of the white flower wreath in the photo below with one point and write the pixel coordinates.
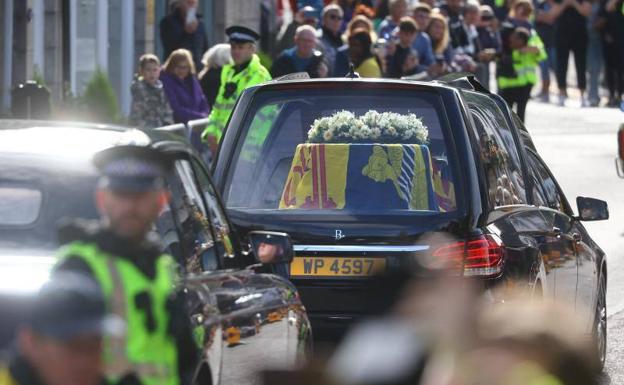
(372, 127)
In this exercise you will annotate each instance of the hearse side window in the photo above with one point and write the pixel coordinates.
(537, 191)
(525, 138)
(217, 216)
(504, 177)
(498, 151)
(554, 197)
(197, 240)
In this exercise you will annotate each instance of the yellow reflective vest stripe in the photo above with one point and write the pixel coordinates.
(147, 349)
(524, 65)
(254, 74)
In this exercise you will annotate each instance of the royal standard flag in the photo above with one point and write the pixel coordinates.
(317, 178)
(360, 176)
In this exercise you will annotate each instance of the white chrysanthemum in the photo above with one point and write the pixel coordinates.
(387, 127)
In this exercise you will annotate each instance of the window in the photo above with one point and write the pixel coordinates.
(217, 216)
(196, 243)
(537, 192)
(280, 170)
(498, 152)
(19, 206)
(554, 198)
(166, 227)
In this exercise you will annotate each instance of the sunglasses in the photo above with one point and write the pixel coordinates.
(335, 17)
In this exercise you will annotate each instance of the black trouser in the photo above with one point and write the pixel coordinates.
(577, 43)
(519, 96)
(614, 68)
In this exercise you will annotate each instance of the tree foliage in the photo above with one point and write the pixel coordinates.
(99, 99)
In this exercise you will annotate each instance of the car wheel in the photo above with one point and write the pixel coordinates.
(600, 323)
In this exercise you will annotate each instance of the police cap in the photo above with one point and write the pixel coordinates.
(71, 305)
(133, 168)
(240, 34)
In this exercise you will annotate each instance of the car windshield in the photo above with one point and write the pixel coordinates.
(344, 151)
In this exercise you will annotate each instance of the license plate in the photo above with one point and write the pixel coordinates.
(336, 267)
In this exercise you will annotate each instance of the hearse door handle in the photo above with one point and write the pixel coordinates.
(556, 231)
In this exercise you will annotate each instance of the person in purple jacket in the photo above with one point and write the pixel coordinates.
(184, 92)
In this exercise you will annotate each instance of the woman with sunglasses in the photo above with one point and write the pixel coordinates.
(182, 88)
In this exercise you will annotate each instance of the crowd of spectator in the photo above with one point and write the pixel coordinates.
(431, 38)
(501, 42)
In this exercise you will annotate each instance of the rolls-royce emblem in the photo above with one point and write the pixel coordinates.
(339, 235)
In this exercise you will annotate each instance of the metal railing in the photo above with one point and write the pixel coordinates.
(197, 124)
(178, 129)
(191, 132)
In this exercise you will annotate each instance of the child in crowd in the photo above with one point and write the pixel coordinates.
(515, 81)
(150, 107)
(400, 61)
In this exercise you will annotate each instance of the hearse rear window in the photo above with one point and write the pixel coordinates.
(356, 151)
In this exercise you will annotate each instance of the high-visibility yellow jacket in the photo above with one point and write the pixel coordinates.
(253, 74)
(524, 65)
(147, 349)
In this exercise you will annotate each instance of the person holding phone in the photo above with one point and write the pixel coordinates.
(183, 28)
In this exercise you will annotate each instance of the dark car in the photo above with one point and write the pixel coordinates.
(46, 175)
(472, 194)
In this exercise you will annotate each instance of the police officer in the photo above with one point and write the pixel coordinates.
(246, 71)
(60, 342)
(137, 279)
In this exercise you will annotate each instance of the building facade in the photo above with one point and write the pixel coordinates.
(63, 42)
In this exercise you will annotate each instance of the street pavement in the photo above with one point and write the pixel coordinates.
(580, 145)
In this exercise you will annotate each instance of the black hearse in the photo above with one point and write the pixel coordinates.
(344, 166)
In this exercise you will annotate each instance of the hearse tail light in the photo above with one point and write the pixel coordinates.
(480, 256)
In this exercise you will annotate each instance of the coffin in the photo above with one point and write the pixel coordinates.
(364, 177)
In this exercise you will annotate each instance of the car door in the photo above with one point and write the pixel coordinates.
(227, 243)
(187, 237)
(559, 244)
(587, 258)
(504, 166)
(543, 237)
(260, 313)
